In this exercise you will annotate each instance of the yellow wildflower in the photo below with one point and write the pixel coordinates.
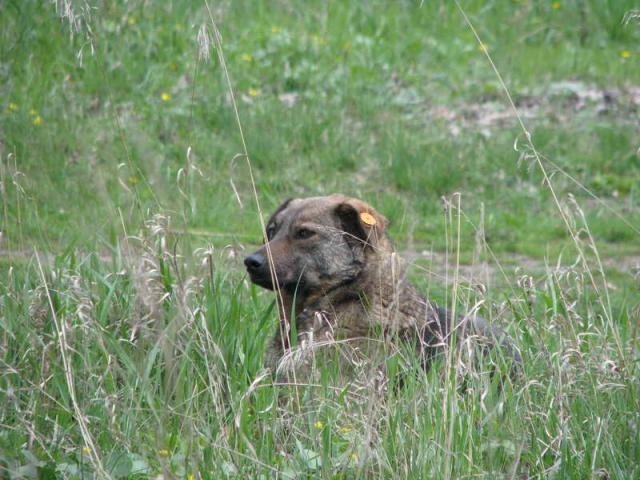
(165, 96)
(86, 450)
(625, 54)
(12, 107)
(346, 430)
(246, 57)
(319, 425)
(276, 29)
(37, 121)
(253, 92)
(133, 180)
(163, 452)
(555, 5)
(191, 476)
(318, 40)
(33, 112)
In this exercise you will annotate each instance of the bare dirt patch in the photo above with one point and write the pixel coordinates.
(558, 102)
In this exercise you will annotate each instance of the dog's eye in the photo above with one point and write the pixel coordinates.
(303, 233)
(271, 231)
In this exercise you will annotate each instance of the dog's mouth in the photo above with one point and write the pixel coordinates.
(260, 274)
(260, 279)
(264, 280)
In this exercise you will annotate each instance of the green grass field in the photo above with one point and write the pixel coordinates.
(131, 342)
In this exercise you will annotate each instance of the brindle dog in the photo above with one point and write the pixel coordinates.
(339, 278)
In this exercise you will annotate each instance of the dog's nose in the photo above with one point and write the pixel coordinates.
(255, 262)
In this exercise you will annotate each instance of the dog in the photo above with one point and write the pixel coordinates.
(339, 279)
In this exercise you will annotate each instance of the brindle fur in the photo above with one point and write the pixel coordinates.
(339, 278)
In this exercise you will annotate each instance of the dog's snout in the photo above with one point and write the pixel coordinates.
(255, 262)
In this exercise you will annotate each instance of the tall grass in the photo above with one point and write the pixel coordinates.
(150, 362)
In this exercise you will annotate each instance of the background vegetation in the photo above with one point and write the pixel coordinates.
(130, 340)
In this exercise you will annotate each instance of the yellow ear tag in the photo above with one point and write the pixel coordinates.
(367, 219)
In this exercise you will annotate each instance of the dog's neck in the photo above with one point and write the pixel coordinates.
(390, 297)
(381, 288)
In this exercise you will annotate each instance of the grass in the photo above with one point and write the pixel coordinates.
(131, 343)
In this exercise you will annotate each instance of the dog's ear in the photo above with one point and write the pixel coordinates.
(361, 222)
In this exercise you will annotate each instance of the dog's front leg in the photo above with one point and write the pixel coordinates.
(281, 341)
(315, 324)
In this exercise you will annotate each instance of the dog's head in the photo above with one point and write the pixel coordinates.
(317, 244)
